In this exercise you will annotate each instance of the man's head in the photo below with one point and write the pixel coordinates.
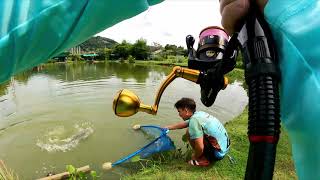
(186, 107)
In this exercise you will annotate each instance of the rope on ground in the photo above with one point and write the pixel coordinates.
(231, 159)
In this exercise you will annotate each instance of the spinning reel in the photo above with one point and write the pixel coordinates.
(214, 58)
(206, 66)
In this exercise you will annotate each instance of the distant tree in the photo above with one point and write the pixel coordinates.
(107, 53)
(101, 54)
(181, 51)
(175, 50)
(122, 51)
(131, 59)
(167, 53)
(104, 53)
(171, 48)
(140, 50)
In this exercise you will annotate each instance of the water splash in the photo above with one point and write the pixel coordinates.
(63, 139)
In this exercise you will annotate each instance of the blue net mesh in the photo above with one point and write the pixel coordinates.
(159, 142)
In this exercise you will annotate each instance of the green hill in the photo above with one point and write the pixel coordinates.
(97, 42)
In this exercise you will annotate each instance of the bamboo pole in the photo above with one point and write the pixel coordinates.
(64, 175)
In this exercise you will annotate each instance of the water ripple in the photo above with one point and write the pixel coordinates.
(60, 139)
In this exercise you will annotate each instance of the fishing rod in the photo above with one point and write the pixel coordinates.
(262, 77)
(207, 66)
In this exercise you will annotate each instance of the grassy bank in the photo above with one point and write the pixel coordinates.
(236, 74)
(177, 168)
(165, 62)
(224, 169)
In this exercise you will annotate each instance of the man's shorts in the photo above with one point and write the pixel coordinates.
(210, 152)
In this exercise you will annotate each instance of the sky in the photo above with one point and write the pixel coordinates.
(168, 22)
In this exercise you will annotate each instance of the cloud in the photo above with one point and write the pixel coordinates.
(168, 22)
(166, 34)
(147, 24)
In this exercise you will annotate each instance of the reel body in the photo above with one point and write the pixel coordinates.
(212, 59)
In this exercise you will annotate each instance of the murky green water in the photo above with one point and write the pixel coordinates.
(62, 114)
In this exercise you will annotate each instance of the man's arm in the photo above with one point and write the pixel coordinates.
(198, 148)
(179, 125)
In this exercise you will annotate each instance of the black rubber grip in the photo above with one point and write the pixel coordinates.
(261, 158)
(264, 107)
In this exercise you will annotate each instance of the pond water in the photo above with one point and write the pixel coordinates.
(62, 114)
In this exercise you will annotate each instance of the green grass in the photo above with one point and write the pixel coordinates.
(7, 173)
(236, 74)
(224, 169)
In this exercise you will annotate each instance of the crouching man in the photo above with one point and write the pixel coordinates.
(206, 134)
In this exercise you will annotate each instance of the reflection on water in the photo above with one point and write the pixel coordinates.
(88, 72)
(61, 114)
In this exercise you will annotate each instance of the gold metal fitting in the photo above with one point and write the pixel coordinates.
(226, 82)
(126, 103)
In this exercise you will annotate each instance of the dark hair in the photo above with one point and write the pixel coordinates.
(186, 103)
